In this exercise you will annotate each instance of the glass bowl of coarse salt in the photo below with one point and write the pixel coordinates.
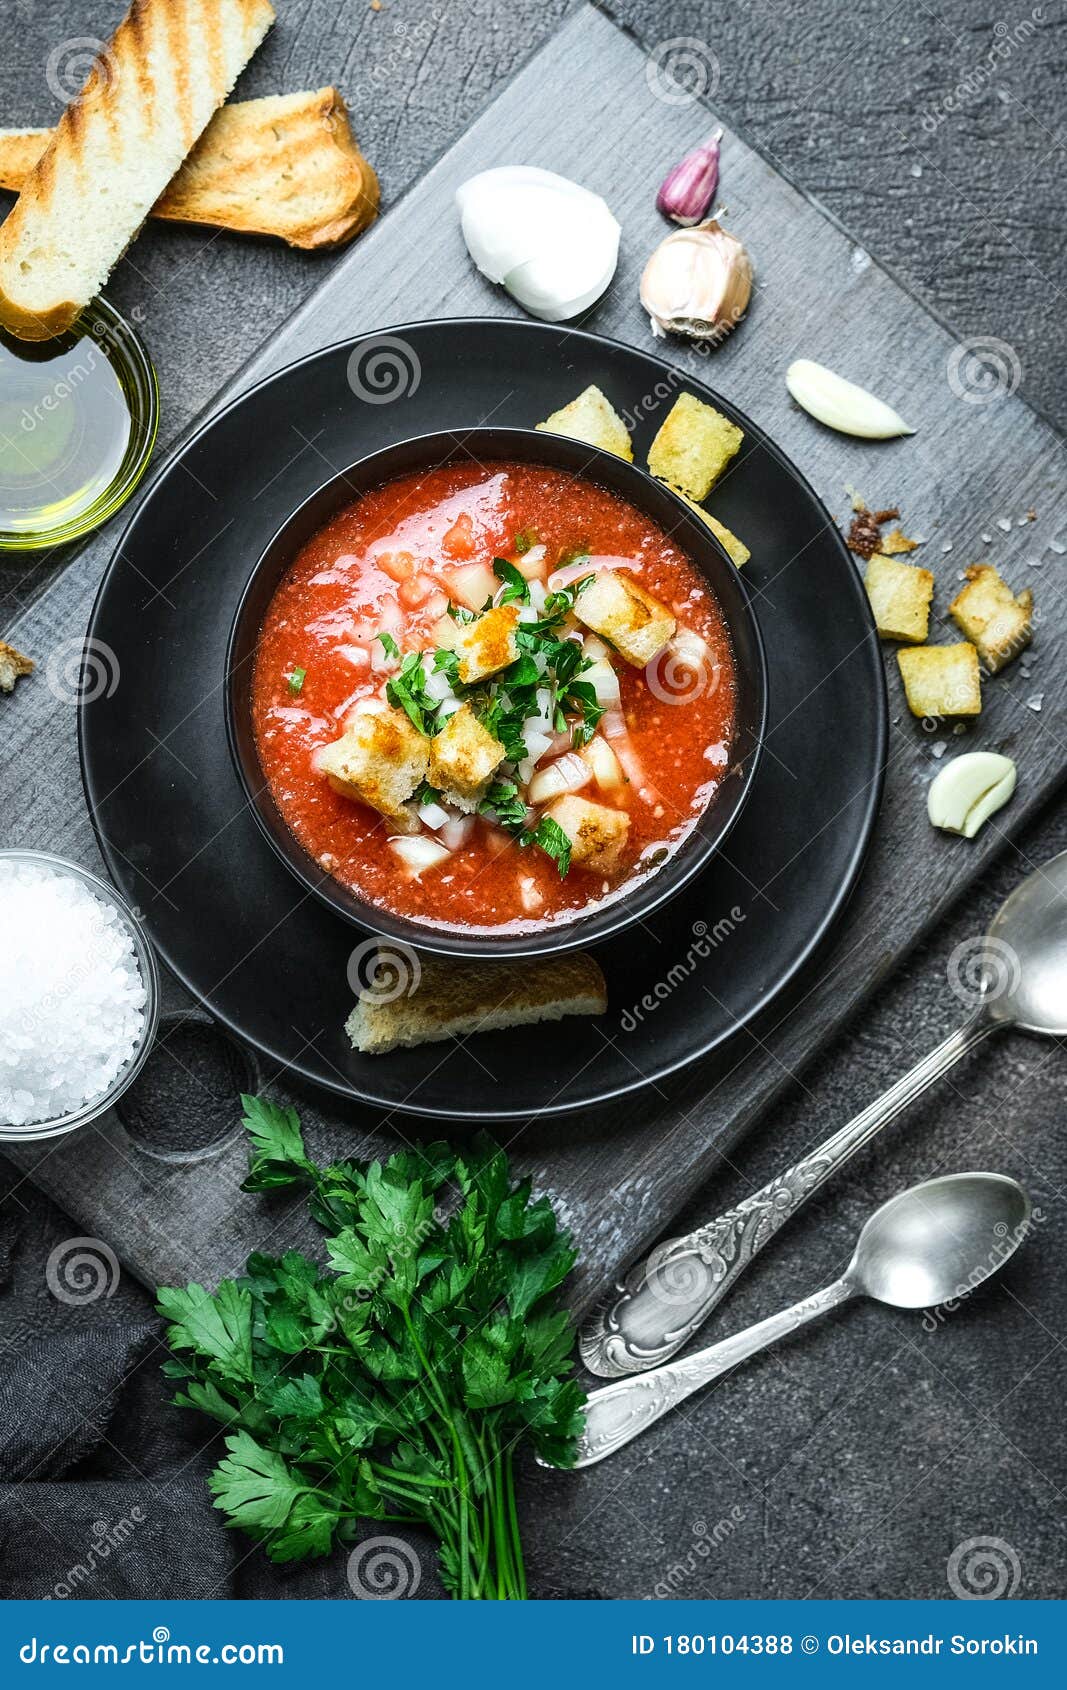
(80, 1009)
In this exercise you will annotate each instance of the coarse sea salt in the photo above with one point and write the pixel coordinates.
(73, 1012)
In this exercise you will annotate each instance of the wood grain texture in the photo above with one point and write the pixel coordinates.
(619, 1177)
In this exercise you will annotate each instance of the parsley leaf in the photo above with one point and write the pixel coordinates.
(516, 586)
(552, 840)
(389, 645)
(396, 1382)
(296, 680)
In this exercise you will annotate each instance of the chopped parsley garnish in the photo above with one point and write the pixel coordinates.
(552, 840)
(503, 804)
(389, 646)
(516, 586)
(296, 680)
(459, 614)
(407, 691)
(424, 793)
(524, 541)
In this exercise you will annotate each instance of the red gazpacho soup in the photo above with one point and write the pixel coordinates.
(493, 696)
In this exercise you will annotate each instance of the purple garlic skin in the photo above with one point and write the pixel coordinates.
(689, 188)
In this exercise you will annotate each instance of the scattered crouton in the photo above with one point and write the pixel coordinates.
(13, 665)
(597, 833)
(900, 595)
(735, 549)
(487, 644)
(592, 418)
(455, 999)
(463, 758)
(618, 609)
(941, 680)
(694, 446)
(895, 543)
(379, 760)
(996, 620)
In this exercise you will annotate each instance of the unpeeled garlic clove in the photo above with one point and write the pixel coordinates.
(968, 790)
(551, 243)
(689, 188)
(698, 282)
(841, 404)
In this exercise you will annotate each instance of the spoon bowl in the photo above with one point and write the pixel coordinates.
(1024, 963)
(939, 1240)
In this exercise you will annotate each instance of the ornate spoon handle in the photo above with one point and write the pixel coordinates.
(664, 1299)
(616, 1413)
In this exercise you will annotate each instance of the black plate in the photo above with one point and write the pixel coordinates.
(265, 957)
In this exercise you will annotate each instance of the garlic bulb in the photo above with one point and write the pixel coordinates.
(841, 404)
(698, 283)
(552, 244)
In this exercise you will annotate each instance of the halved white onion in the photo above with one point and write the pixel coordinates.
(567, 774)
(419, 853)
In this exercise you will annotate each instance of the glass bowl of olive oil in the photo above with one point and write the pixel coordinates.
(78, 421)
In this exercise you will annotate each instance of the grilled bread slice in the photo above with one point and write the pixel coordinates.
(156, 86)
(287, 165)
(453, 999)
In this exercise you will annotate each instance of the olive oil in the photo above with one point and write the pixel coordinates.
(77, 423)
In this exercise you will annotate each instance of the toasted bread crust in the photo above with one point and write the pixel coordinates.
(286, 165)
(455, 999)
(167, 68)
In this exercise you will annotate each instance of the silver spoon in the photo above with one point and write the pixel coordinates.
(927, 1245)
(1021, 972)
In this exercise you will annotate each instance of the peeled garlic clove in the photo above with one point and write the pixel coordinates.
(551, 243)
(698, 282)
(841, 404)
(968, 790)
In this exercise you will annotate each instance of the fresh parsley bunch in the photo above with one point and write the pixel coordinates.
(398, 1382)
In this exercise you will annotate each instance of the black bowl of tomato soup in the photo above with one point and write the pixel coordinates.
(405, 552)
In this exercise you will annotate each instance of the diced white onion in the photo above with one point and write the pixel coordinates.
(607, 770)
(433, 815)
(567, 774)
(357, 655)
(472, 584)
(527, 613)
(689, 650)
(390, 616)
(537, 596)
(536, 742)
(595, 649)
(603, 679)
(633, 768)
(438, 686)
(613, 724)
(446, 632)
(456, 831)
(448, 707)
(531, 898)
(419, 853)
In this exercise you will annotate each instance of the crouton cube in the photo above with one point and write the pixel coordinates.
(735, 549)
(996, 620)
(694, 446)
(591, 418)
(941, 680)
(379, 760)
(597, 833)
(487, 644)
(636, 624)
(895, 542)
(13, 665)
(900, 595)
(463, 758)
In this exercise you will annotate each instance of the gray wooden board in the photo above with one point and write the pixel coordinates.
(584, 106)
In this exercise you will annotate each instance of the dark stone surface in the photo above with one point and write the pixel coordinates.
(854, 1461)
